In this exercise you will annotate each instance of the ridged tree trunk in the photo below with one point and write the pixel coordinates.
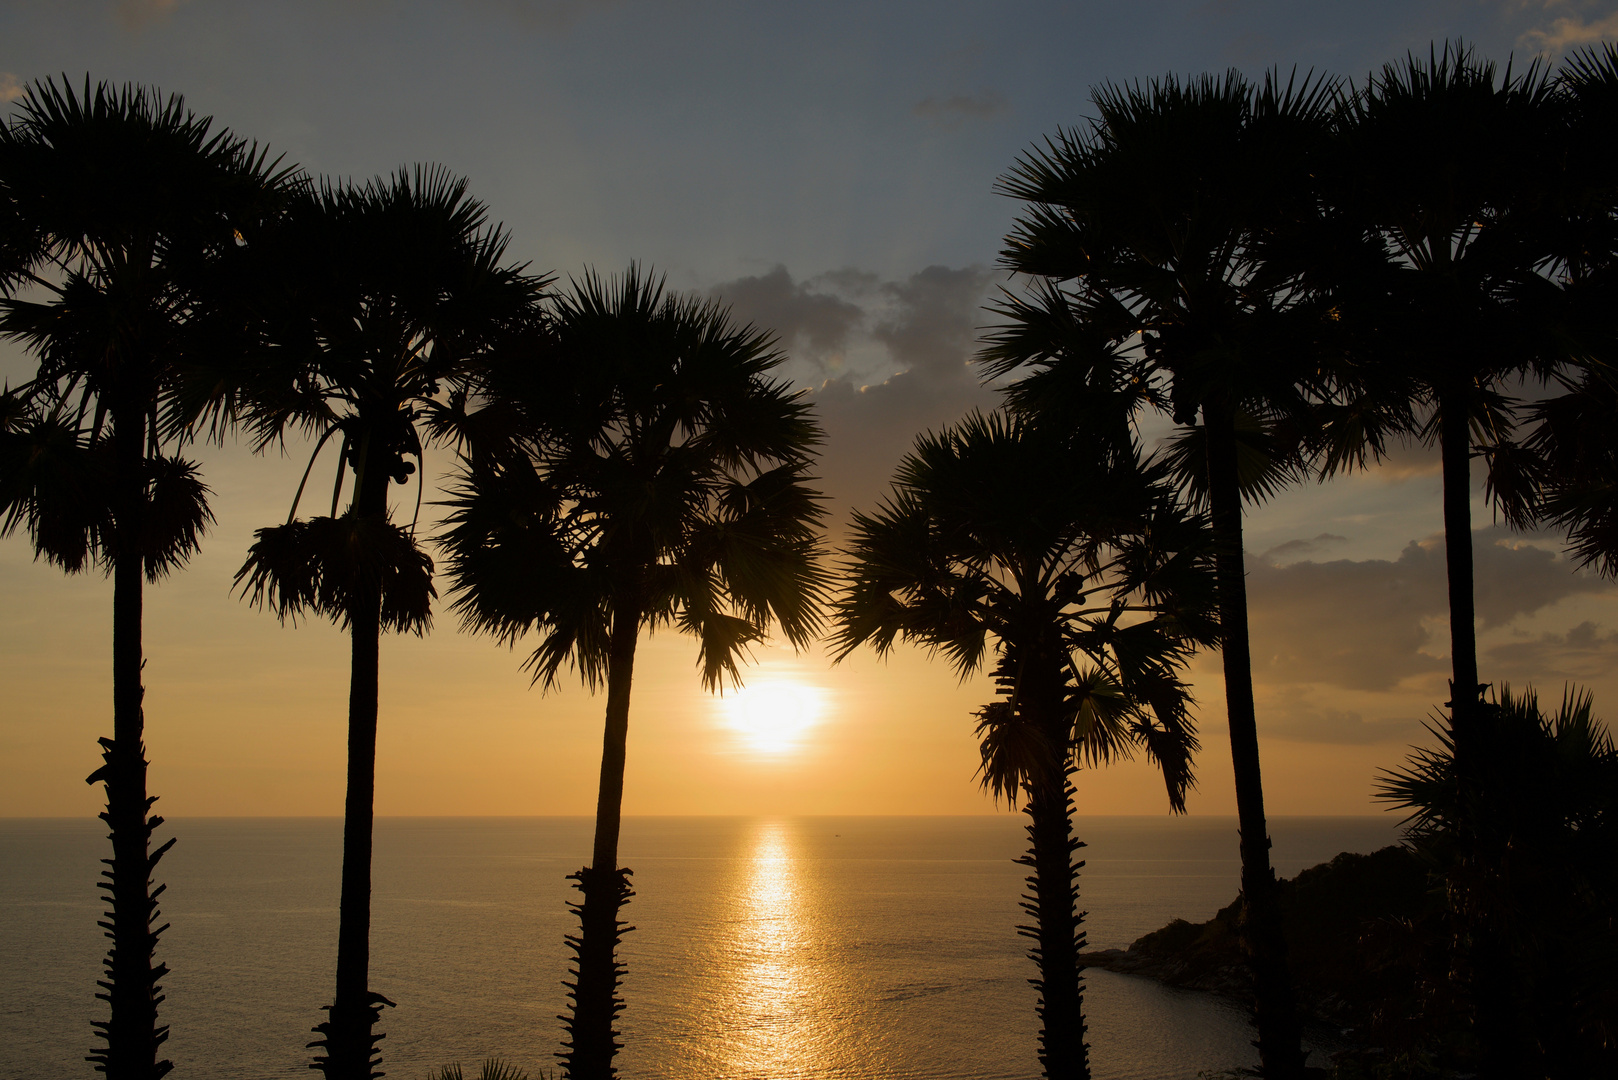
(1274, 1010)
(131, 987)
(347, 1034)
(592, 1042)
(1492, 985)
(1052, 901)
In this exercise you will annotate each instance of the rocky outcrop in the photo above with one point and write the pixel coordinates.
(1348, 925)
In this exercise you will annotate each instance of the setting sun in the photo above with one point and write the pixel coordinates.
(772, 717)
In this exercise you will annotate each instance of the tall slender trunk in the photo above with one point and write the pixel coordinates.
(1274, 1010)
(1491, 980)
(131, 987)
(1455, 443)
(1057, 929)
(347, 1033)
(591, 1042)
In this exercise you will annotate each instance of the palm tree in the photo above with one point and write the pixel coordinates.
(1462, 307)
(1465, 226)
(658, 477)
(117, 206)
(389, 294)
(1148, 232)
(1076, 568)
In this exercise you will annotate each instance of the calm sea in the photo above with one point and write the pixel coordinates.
(862, 947)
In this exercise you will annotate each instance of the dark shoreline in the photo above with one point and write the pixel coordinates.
(1342, 919)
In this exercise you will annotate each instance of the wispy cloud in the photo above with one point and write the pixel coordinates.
(951, 112)
(11, 87)
(1371, 625)
(1593, 21)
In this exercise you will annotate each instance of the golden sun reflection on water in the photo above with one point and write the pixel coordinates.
(776, 1015)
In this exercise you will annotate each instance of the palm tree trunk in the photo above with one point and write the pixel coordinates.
(1455, 441)
(1274, 1011)
(347, 1033)
(1492, 982)
(591, 1042)
(1057, 926)
(131, 988)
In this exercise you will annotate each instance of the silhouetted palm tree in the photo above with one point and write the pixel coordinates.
(1451, 166)
(658, 478)
(1457, 173)
(1077, 571)
(1149, 229)
(386, 295)
(117, 206)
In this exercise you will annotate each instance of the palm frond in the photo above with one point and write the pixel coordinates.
(329, 566)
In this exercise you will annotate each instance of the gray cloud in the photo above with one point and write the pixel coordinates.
(951, 112)
(813, 324)
(1294, 550)
(1368, 625)
(1297, 717)
(892, 354)
(933, 324)
(11, 87)
(1581, 654)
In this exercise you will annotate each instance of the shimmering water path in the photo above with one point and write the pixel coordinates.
(860, 948)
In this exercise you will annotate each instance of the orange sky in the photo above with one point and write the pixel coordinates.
(247, 717)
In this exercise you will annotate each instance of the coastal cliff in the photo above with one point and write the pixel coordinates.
(1351, 934)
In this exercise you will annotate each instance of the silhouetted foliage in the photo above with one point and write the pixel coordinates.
(116, 207)
(1524, 839)
(491, 1069)
(1465, 299)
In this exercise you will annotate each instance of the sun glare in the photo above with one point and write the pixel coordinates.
(773, 717)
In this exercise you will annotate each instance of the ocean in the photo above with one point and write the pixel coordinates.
(855, 948)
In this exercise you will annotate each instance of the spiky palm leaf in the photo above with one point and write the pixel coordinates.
(1524, 840)
(659, 450)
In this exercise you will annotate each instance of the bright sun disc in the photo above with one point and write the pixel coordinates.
(773, 716)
